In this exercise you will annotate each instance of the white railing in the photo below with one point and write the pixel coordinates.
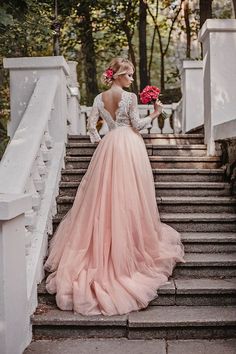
(29, 180)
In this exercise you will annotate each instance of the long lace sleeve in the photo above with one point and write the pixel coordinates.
(137, 122)
(92, 121)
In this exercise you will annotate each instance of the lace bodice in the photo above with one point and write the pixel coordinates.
(127, 114)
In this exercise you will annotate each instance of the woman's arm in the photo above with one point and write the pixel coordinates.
(141, 123)
(92, 121)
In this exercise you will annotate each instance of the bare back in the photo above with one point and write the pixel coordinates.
(111, 100)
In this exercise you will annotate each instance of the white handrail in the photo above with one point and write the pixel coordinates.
(23, 149)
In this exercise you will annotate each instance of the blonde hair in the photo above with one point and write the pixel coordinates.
(118, 66)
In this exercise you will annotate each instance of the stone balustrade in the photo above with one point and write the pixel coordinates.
(31, 166)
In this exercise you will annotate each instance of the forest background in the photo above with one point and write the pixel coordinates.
(156, 35)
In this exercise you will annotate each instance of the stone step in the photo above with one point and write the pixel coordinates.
(155, 139)
(209, 242)
(131, 346)
(190, 222)
(200, 222)
(157, 162)
(186, 204)
(166, 204)
(167, 322)
(207, 265)
(188, 292)
(161, 175)
(170, 189)
(87, 149)
(188, 175)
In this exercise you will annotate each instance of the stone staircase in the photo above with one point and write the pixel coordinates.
(199, 302)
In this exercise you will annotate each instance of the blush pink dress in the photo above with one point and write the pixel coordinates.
(111, 252)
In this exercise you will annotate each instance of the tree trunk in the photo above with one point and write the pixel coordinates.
(89, 55)
(133, 59)
(143, 73)
(234, 7)
(153, 43)
(162, 72)
(188, 28)
(205, 10)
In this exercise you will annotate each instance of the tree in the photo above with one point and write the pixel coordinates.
(188, 28)
(234, 7)
(143, 72)
(173, 15)
(121, 17)
(205, 10)
(85, 35)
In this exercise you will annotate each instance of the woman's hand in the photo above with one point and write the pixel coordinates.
(158, 106)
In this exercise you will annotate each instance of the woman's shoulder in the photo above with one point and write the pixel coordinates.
(133, 97)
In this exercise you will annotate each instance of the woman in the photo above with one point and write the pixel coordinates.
(111, 252)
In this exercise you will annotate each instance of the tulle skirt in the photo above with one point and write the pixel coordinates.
(111, 252)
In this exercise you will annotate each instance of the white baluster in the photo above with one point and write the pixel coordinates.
(45, 152)
(28, 240)
(36, 198)
(42, 168)
(48, 139)
(38, 180)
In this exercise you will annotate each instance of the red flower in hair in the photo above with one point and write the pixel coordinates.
(109, 73)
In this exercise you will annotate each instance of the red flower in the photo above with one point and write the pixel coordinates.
(109, 73)
(149, 94)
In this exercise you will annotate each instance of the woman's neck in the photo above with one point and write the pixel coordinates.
(116, 87)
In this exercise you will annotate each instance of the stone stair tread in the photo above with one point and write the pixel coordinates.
(185, 286)
(208, 236)
(197, 200)
(184, 158)
(185, 217)
(151, 135)
(159, 158)
(205, 286)
(198, 217)
(187, 170)
(182, 316)
(50, 315)
(104, 345)
(152, 316)
(160, 171)
(208, 259)
(179, 147)
(169, 184)
(191, 184)
(162, 146)
(162, 200)
(131, 346)
(168, 288)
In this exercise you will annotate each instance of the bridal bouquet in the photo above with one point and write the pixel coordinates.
(149, 95)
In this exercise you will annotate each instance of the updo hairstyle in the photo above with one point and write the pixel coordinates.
(117, 66)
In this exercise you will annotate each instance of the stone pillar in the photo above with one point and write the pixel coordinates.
(192, 91)
(15, 328)
(218, 38)
(24, 73)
